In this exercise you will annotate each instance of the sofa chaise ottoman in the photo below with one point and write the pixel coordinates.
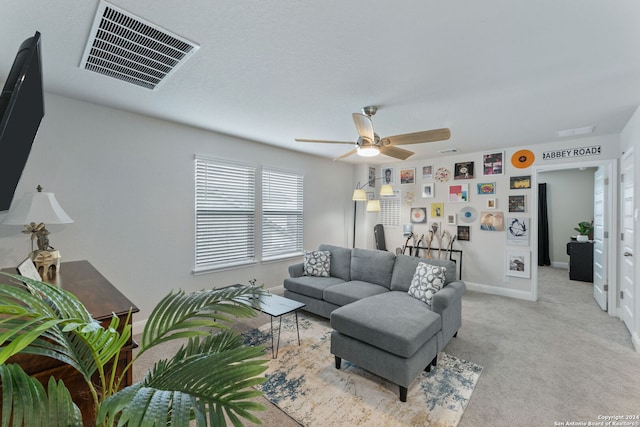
(378, 323)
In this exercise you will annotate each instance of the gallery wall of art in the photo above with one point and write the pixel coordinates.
(475, 207)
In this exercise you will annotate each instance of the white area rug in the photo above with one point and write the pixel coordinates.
(304, 383)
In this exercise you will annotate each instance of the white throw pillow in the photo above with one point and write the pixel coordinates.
(427, 280)
(317, 263)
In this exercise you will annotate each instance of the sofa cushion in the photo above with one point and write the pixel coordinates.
(310, 286)
(427, 280)
(405, 267)
(340, 261)
(348, 292)
(392, 321)
(317, 263)
(368, 265)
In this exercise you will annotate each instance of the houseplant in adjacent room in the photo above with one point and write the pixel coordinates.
(585, 231)
(209, 379)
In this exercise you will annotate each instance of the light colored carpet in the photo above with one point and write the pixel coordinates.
(304, 382)
(560, 359)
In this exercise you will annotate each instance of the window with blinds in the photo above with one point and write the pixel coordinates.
(390, 210)
(225, 213)
(282, 213)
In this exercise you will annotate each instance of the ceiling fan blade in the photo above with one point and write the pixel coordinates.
(364, 125)
(418, 137)
(324, 141)
(347, 154)
(398, 153)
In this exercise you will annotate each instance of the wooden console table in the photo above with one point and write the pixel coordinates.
(101, 299)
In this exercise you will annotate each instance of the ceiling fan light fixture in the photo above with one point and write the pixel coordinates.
(368, 151)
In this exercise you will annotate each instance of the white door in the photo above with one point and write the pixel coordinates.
(629, 213)
(600, 214)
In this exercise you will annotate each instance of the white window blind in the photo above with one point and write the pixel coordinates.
(282, 213)
(225, 213)
(390, 210)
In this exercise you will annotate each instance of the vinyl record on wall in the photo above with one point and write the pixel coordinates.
(523, 159)
(468, 214)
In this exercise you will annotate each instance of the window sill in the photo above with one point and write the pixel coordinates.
(277, 258)
(208, 270)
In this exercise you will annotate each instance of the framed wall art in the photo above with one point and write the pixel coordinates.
(459, 193)
(517, 203)
(408, 176)
(463, 232)
(418, 215)
(437, 210)
(372, 177)
(493, 163)
(463, 170)
(451, 219)
(520, 182)
(492, 221)
(486, 188)
(518, 231)
(427, 172)
(387, 175)
(517, 263)
(428, 190)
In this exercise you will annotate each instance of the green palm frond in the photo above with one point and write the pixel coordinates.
(180, 315)
(25, 402)
(210, 377)
(49, 321)
(208, 380)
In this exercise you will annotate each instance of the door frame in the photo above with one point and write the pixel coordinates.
(611, 245)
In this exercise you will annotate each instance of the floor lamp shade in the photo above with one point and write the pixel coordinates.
(38, 208)
(359, 195)
(373, 206)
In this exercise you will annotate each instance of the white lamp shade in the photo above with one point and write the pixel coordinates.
(359, 195)
(37, 207)
(386, 190)
(373, 206)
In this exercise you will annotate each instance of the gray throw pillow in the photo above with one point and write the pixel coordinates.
(317, 263)
(427, 280)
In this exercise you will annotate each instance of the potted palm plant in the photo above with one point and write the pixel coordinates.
(208, 381)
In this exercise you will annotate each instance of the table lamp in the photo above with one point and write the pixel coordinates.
(33, 211)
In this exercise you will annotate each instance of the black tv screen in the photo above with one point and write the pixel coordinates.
(21, 111)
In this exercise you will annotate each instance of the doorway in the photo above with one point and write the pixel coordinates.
(609, 171)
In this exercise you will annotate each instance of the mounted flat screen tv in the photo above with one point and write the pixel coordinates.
(21, 111)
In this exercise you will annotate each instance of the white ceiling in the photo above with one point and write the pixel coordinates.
(498, 73)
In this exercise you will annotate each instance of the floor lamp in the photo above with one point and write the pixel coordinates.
(359, 195)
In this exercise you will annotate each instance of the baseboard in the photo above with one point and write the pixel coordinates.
(635, 339)
(503, 292)
(138, 327)
(559, 264)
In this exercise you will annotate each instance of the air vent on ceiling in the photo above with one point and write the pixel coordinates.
(449, 151)
(126, 47)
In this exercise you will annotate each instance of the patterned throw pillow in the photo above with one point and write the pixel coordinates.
(427, 280)
(317, 263)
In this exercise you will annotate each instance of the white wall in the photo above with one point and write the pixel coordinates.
(569, 201)
(484, 253)
(630, 140)
(128, 182)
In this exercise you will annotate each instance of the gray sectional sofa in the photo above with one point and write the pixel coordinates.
(378, 324)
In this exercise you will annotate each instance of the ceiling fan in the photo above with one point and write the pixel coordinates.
(369, 144)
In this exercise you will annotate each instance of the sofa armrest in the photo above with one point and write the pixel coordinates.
(296, 270)
(447, 295)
